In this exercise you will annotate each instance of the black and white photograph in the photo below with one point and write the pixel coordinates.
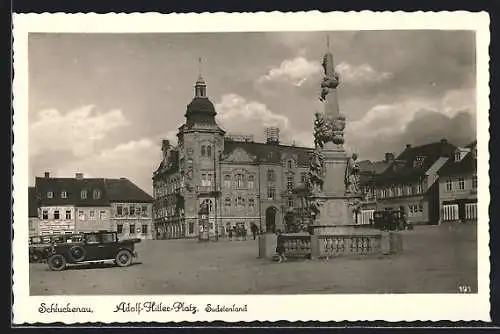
(317, 162)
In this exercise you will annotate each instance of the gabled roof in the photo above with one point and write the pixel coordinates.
(403, 169)
(472, 144)
(269, 153)
(123, 190)
(32, 203)
(376, 167)
(111, 190)
(73, 188)
(468, 165)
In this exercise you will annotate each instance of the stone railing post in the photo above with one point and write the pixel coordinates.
(315, 253)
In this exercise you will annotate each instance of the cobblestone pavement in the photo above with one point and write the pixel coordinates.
(436, 259)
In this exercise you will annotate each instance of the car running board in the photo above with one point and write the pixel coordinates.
(93, 261)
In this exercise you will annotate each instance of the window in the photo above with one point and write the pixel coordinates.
(450, 212)
(471, 211)
(132, 229)
(398, 190)
(209, 179)
(420, 208)
(250, 181)
(125, 211)
(227, 181)
(68, 214)
(227, 202)
(271, 192)
(97, 194)
(191, 228)
(240, 202)
(144, 211)
(474, 182)
(119, 228)
(419, 188)
(289, 164)
(271, 177)
(56, 215)
(50, 194)
(290, 203)
(202, 150)
(458, 156)
(239, 181)
(303, 177)
(45, 214)
(131, 210)
(92, 215)
(209, 203)
(251, 204)
(461, 183)
(289, 183)
(102, 215)
(64, 194)
(449, 185)
(144, 229)
(119, 210)
(108, 238)
(83, 194)
(209, 151)
(92, 239)
(81, 215)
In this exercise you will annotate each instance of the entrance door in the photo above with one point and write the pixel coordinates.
(271, 219)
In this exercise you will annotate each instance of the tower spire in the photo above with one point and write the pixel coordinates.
(200, 88)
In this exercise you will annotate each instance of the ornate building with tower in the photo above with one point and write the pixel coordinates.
(242, 181)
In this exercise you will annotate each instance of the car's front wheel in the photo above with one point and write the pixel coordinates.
(123, 258)
(57, 262)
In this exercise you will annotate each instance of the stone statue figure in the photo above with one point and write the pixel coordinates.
(327, 84)
(352, 175)
(316, 172)
(319, 130)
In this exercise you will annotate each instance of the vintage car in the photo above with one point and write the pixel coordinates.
(40, 246)
(391, 220)
(95, 247)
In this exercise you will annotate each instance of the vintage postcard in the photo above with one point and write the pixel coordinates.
(251, 167)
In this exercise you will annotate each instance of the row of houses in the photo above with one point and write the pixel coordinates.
(432, 183)
(72, 205)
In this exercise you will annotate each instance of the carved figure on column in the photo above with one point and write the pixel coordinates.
(352, 175)
(316, 172)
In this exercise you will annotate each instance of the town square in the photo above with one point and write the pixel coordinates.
(209, 195)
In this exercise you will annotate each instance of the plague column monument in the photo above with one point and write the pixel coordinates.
(334, 179)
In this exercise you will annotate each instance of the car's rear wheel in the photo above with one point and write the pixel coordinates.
(123, 258)
(57, 262)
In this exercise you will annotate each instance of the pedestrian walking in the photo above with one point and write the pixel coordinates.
(254, 230)
(280, 250)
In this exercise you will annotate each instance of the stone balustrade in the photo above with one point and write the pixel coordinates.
(295, 245)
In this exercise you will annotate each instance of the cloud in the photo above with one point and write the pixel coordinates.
(135, 160)
(76, 131)
(238, 115)
(292, 71)
(361, 74)
(418, 121)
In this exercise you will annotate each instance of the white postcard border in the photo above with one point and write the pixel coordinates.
(351, 307)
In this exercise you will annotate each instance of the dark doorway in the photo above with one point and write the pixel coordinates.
(271, 219)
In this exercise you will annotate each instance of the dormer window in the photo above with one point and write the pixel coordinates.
(97, 194)
(458, 156)
(419, 160)
(83, 194)
(50, 194)
(64, 194)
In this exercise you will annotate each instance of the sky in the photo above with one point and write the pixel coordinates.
(100, 104)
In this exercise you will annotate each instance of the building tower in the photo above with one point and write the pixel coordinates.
(200, 145)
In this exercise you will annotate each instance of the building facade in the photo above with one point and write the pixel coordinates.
(243, 182)
(33, 220)
(73, 205)
(458, 186)
(411, 182)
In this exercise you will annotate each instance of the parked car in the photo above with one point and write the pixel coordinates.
(40, 246)
(391, 220)
(94, 247)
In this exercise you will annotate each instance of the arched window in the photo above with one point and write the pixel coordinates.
(209, 151)
(250, 181)
(271, 177)
(227, 181)
(239, 181)
(289, 164)
(202, 150)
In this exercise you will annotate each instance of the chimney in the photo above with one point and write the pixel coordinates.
(389, 157)
(46, 175)
(444, 141)
(78, 176)
(272, 135)
(408, 145)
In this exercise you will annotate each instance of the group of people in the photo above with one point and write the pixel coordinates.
(239, 232)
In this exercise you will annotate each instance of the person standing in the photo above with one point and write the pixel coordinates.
(254, 230)
(230, 233)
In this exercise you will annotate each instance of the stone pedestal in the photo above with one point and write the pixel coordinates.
(267, 245)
